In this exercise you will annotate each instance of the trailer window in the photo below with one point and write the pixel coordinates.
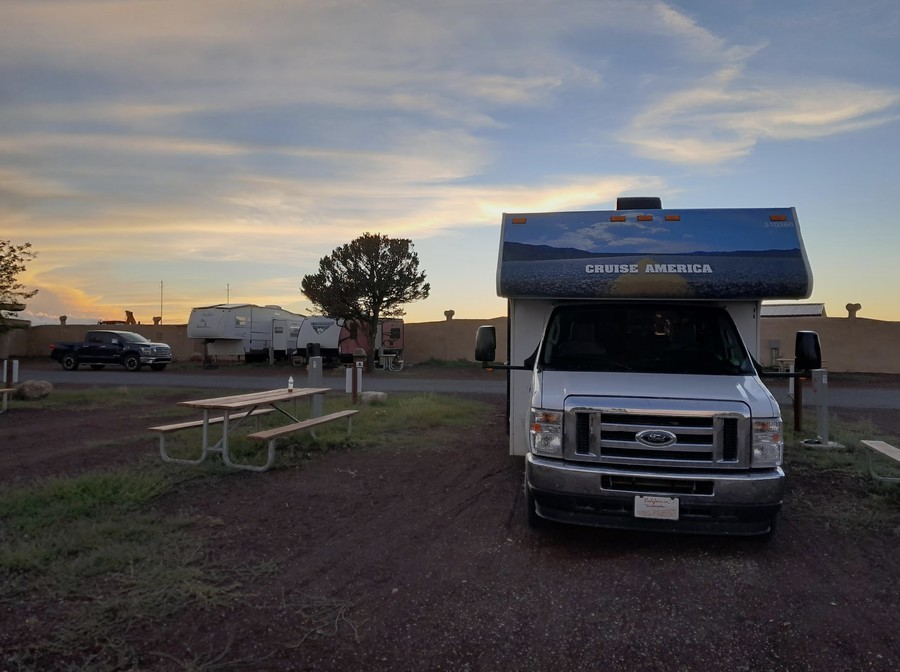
(645, 339)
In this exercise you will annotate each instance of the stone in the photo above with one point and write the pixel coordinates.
(33, 389)
(373, 398)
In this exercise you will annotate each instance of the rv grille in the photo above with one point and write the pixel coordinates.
(688, 440)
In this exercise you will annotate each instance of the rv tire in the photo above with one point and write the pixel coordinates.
(535, 522)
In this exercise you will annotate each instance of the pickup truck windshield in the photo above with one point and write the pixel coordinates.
(644, 339)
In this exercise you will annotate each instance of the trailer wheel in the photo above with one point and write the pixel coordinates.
(69, 362)
(131, 362)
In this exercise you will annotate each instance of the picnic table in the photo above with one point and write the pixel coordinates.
(236, 409)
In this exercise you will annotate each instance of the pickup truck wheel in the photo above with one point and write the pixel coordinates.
(157, 367)
(131, 362)
(70, 362)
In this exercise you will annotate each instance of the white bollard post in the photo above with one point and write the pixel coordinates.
(820, 394)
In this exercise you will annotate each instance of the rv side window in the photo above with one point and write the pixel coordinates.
(646, 339)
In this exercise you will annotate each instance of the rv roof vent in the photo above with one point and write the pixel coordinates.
(638, 203)
(274, 307)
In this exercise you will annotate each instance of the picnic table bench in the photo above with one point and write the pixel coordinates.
(887, 450)
(241, 407)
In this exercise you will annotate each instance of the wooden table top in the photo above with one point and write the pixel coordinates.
(239, 401)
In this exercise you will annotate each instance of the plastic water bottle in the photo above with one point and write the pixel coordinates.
(291, 384)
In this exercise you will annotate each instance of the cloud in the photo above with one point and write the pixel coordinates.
(205, 143)
(725, 117)
(721, 116)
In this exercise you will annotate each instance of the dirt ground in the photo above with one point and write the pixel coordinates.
(426, 562)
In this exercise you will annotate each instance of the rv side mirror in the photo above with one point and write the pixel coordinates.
(807, 351)
(485, 344)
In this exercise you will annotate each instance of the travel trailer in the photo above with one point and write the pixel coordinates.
(388, 338)
(634, 392)
(259, 332)
(248, 331)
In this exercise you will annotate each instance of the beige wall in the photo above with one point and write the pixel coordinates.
(848, 344)
(449, 340)
(35, 342)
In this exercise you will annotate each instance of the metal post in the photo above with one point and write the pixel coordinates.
(820, 390)
(359, 359)
(798, 404)
(314, 379)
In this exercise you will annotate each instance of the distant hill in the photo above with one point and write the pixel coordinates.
(528, 252)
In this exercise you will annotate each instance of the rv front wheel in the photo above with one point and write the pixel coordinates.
(535, 522)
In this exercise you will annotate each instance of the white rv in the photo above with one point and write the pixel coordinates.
(634, 392)
(245, 330)
(258, 332)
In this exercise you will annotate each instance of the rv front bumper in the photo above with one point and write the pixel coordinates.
(740, 503)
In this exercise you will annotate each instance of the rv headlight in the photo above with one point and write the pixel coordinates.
(546, 432)
(768, 443)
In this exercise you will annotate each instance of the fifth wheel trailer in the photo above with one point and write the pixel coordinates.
(634, 392)
(257, 332)
(247, 330)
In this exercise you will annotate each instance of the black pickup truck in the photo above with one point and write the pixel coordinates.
(102, 347)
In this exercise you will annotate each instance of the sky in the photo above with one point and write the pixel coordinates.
(162, 155)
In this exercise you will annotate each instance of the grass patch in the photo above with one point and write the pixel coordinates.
(403, 422)
(448, 364)
(86, 561)
(408, 422)
(90, 551)
(841, 491)
(123, 396)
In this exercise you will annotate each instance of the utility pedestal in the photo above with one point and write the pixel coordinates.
(820, 399)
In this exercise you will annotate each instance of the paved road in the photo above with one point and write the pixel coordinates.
(856, 397)
(265, 380)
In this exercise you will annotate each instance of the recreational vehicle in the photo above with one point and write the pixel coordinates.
(634, 392)
(258, 332)
(245, 330)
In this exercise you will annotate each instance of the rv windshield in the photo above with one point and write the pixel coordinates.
(644, 339)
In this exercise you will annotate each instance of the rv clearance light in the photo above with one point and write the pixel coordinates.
(673, 218)
(778, 218)
(645, 218)
(518, 220)
(617, 218)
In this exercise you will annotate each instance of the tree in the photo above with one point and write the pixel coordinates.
(366, 280)
(12, 292)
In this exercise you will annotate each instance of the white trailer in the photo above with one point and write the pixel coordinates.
(245, 330)
(325, 332)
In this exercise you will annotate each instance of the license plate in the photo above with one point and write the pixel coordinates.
(664, 508)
